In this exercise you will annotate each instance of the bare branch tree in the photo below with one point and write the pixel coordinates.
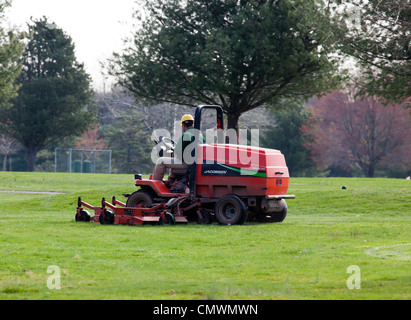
(8, 146)
(362, 132)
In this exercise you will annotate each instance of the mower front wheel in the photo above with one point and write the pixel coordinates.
(83, 216)
(106, 217)
(169, 219)
(230, 210)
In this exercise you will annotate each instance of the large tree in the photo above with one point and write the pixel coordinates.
(11, 49)
(377, 34)
(55, 95)
(239, 54)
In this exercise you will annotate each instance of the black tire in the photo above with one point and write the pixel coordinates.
(84, 216)
(273, 217)
(205, 217)
(140, 197)
(107, 217)
(230, 210)
(169, 219)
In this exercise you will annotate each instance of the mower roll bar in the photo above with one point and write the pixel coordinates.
(197, 125)
(199, 109)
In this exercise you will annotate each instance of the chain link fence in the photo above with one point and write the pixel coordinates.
(82, 161)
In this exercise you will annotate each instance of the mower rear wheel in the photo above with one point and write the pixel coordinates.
(230, 210)
(169, 219)
(107, 217)
(140, 197)
(83, 217)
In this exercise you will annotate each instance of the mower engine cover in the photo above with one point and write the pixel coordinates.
(246, 171)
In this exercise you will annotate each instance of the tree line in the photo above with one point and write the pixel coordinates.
(277, 65)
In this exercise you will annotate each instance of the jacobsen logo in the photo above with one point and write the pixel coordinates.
(220, 169)
(221, 172)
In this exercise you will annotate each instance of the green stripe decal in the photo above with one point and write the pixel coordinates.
(245, 172)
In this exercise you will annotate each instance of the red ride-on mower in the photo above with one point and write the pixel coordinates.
(221, 184)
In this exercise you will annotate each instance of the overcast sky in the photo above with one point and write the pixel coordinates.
(97, 27)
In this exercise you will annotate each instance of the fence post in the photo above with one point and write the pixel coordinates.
(70, 159)
(109, 163)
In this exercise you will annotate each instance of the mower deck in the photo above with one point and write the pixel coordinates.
(118, 213)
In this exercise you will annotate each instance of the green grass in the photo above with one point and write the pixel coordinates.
(305, 257)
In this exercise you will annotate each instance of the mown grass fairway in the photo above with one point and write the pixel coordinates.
(305, 257)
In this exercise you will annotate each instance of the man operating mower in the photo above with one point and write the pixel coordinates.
(179, 161)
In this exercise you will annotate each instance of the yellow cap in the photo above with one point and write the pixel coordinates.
(187, 117)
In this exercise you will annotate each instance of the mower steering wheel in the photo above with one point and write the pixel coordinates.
(168, 142)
